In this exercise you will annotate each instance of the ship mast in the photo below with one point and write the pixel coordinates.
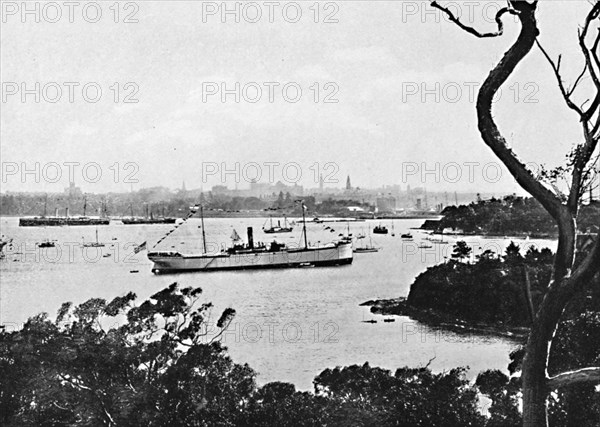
(84, 204)
(304, 225)
(203, 233)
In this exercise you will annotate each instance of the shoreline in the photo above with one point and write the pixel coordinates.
(493, 235)
(501, 235)
(400, 307)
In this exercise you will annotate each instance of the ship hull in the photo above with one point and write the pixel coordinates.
(57, 222)
(277, 231)
(165, 263)
(135, 221)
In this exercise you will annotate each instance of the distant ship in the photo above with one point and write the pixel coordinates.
(149, 218)
(49, 221)
(273, 229)
(46, 244)
(380, 229)
(241, 256)
(95, 244)
(367, 248)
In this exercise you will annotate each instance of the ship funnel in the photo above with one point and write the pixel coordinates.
(250, 238)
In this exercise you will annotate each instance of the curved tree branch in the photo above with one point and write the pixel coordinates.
(591, 57)
(566, 93)
(487, 126)
(472, 30)
(580, 376)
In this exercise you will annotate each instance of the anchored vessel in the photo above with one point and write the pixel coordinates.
(149, 218)
(47, 244)
(380, 229)
(45, 221)
(95, 244)
(273, 229)
(58, 221)
(367, 248)
(253, 256)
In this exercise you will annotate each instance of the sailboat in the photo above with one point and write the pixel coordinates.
(440, 241)
(367, 248)
(240, 256)
(393, 233)
(95, 244)
(278, 228)
(348, 236)
(235, 237)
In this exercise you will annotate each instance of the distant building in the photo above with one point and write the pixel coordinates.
(73, 191)
(258, 189)
(355, 209)
(348, 185)
(220, 189)
(386, 204)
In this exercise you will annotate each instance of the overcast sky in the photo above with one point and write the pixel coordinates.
(374, 58)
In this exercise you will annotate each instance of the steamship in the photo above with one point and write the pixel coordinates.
(56, 221)
(241, 256)
(149, 218)
(274, 229)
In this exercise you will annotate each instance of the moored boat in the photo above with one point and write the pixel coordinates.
(140, 220)
(273, 229)
(47, 244)
(367, 248)
(57, 221)
(96, 244)
(149, 218)
(380, 229)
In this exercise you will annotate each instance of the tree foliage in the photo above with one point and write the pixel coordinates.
(512, 215)
(488, 291)
(159, 367)
(159, 363)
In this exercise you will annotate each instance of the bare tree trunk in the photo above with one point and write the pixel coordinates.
(534, 371)
(564, 283)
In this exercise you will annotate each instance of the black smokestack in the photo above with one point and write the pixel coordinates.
(250, 238)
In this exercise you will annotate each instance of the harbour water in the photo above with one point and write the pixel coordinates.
(290, 324)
